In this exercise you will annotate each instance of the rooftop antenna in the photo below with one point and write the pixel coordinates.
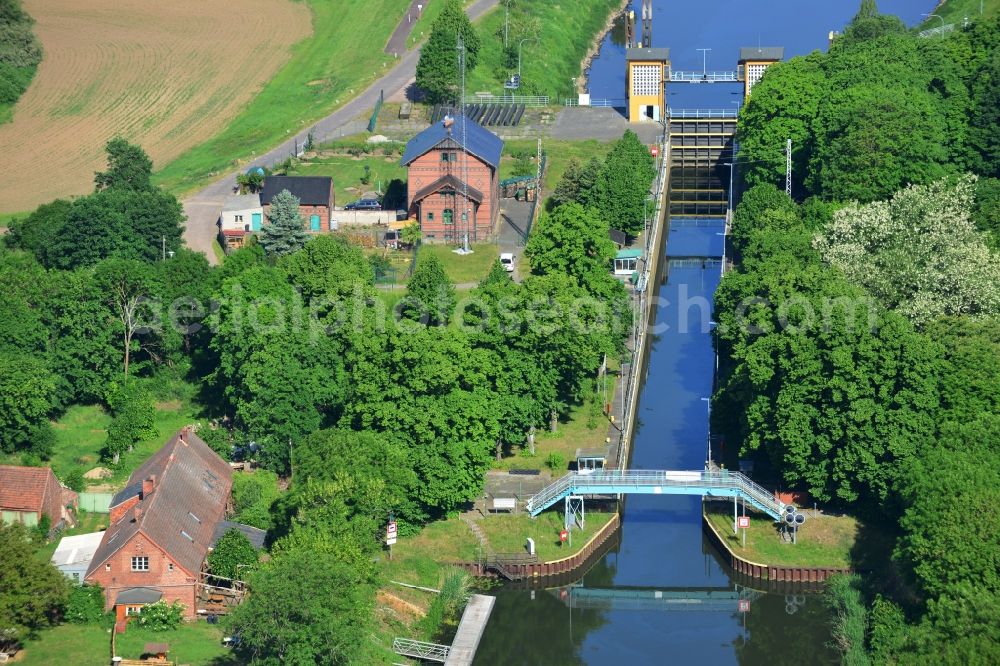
(465, 153)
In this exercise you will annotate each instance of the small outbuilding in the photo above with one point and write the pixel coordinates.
(74, 554)
(626, 262)
(591, 460)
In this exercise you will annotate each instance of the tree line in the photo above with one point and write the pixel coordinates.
(858, 333)
(20, 51)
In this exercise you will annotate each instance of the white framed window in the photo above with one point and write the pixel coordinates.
(133, 610)
(140, 563)
(646, 80)
(76, 576)
(170, 566)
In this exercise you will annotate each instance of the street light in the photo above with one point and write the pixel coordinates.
(938, 16)
(526, 39)
(704, 62)
(708, 406)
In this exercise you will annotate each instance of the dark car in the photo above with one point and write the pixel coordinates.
(364, 204)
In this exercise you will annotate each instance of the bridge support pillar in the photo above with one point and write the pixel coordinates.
(574, 512)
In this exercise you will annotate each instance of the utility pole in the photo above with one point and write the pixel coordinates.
(788, 168)
(163, 248)
(506, 19)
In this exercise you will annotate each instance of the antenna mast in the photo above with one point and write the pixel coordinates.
(788, 168)
(465, 153)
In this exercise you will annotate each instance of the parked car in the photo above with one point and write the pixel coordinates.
(507, 261)
(364, 204)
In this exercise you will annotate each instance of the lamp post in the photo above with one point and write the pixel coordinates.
(704, 62)
(526, 39)
(937, 16)
(708, 407)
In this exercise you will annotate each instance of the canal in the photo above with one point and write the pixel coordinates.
(662, 547)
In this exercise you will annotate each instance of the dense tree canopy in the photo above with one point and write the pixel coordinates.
(32, 591)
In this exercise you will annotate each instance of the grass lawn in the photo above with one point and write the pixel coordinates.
(80, 645)
(196, 643)
(463, 269)
(508, 533)
(342, 57)
(5, 218)
(347, 172)
(955, 11)
(81, 431)
(823, 541)
(421, 559)
(558, 153)
(566, 31)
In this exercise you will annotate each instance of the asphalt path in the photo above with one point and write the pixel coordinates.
(203, 208)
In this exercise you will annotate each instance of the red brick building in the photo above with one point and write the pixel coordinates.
(162, 526)
(452, 172)
(26, 493)
(315, 195)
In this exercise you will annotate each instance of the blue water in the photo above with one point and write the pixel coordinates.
(801, 26)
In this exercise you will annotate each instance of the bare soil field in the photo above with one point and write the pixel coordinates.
(165, 75)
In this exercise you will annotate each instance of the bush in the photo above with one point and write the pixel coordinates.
(253, 495)
(161, 616)
(74, 480)
(556, 462)
(231, 555)
(86, 605)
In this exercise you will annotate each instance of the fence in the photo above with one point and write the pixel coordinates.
(96, 502)
(378, 108)
(534, 203)
(489, 98)
(940, 30)
(602, 102)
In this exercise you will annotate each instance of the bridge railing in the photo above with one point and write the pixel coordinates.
(420, 649)
(702, 113)
(616, 482)
(697, 77)
(527, 100)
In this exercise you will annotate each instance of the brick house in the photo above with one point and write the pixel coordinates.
(442, 173)
(26, 493)
(315, 195)
(161, 528)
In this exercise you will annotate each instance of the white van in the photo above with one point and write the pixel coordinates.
(507, 261)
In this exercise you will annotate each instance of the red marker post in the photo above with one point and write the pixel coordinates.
(655, 150)
(744, 524)
(563, 536)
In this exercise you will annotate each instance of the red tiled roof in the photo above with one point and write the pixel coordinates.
(234, 232)
(23, 488)
(186, 504)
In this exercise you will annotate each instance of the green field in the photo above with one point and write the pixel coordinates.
(955, 11)
(509, 533)
(462, 269)
(566, 31)
(342, 57)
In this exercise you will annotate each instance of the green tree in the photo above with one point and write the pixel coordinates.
(622, 187)
(27, 390)
(571, 240)
(232, 556)
(129, 167)
(307, 608)
(986, 211)
(455, 21)
(85, 605)
(437, 70)
(328, 267)
(132, 421)
(285, 232)
(568, 187)
(253, 496)
(32, 591)
(984, 125)
(126, 287)
(918, 253)
(36, 232)
(430, 295)
(250, 182)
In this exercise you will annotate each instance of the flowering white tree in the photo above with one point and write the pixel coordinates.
(918, 253)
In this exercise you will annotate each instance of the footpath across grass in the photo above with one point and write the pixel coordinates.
(341, 58)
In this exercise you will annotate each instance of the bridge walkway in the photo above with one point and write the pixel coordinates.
(706, 483)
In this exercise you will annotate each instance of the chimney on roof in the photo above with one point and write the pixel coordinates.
(448, 122)
(148, 484)
(137, 513)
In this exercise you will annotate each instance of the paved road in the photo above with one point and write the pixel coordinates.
(203, 208)
(397, 43)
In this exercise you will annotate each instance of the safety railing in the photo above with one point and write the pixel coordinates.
(677, 76)
(934, 32)
(603, 102)
(702, 113)
(624, 481)
(527, 100)
(420, 649)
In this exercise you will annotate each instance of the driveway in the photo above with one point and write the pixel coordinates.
(203, 208)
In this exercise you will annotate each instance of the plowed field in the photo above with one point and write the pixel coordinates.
(166, 74)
